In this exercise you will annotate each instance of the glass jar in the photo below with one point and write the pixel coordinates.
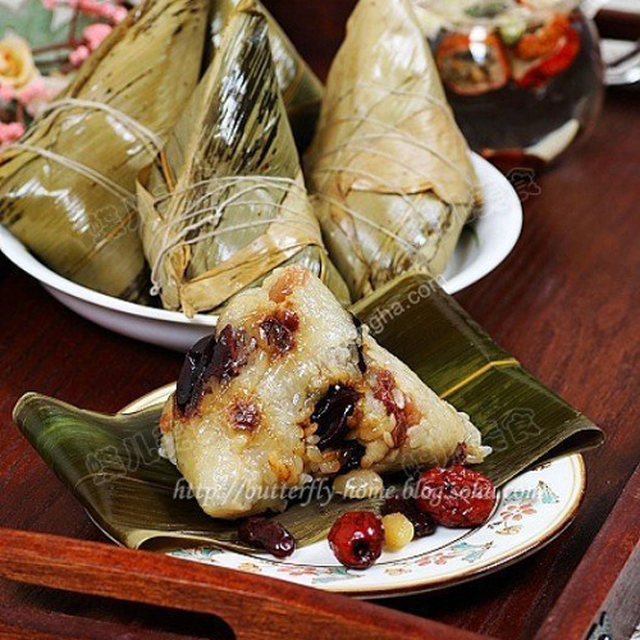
(524, 78)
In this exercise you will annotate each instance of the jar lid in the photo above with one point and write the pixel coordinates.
(459, 14)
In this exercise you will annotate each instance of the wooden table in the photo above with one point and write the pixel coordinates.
(565, 303)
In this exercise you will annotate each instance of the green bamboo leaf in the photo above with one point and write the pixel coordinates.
(112, 466)
(522, 420)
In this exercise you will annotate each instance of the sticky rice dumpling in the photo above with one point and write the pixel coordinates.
(225, 202)
(291, 387)
(67, 189)
(301, 90)
(389, 169)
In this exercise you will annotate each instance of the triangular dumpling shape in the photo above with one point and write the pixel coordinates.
(67, 189)
(291, 387)
(390, 171)
(225, 203)
(301, 90)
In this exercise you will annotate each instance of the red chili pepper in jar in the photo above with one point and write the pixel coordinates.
(543, 41)
(472, 67)
(552, 49)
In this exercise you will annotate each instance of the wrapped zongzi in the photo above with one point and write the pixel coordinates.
(301, 89)
(67, 189)
(291, 388)
(389, 168)
(225, 202)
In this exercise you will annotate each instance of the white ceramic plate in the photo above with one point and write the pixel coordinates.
(478, 253)
(531, 511)
(625, 73)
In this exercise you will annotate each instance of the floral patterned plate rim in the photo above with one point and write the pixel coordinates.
(532, 509)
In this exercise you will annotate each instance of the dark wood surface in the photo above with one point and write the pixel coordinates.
(606, 581)
(255, 607)
(565, 303)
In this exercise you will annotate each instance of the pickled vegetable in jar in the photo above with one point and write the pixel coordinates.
(524, 78)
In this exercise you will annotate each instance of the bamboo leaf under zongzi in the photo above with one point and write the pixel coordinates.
(111, 463)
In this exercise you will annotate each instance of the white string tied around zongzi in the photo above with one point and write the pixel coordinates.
(212, 215)
(357, 142)
(225, 183)
(406, 198)
(370, 176)
(126, 120)
(82, 169)
(395, 134)
(282, 184)
(387, 91)
(398, 133)
(412, 248)
(146, 134)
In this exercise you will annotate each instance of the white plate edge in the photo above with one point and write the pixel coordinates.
(15, 251)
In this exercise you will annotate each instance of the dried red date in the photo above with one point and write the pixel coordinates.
(459, 456)
(356, 539)
(222, 358)
(331, 413)
(245, 416)
(230, 354)
(268, 535)
(350, 455)
(280, 329)
(456, 496)
(191, 378)
(405, 415)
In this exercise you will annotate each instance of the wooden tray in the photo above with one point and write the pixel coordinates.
(254, 607)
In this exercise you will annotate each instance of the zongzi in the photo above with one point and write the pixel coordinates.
(291, 387)
(67, 190)
(225, 202)
(389, 169)
(301, 89)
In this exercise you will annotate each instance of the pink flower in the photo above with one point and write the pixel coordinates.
(94, 34)
(35, 90)
(119, 13)
(50, 4)
(112, 12)
(79, 55)
(51, 86)
(90, 7)
(10, 132)
(7, 92)
(95, 8)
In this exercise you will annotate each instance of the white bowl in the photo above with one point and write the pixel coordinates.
(496, 233)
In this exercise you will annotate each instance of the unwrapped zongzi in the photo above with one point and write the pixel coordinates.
(225, 202)
(67, 189)
(389, 169)
(291, 387)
